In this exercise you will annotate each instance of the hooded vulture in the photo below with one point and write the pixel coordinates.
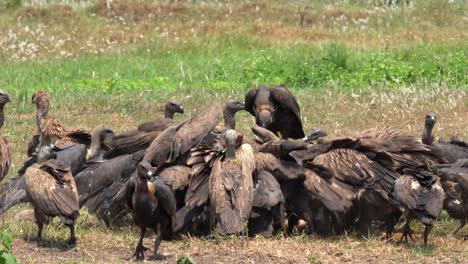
(420, 196)
(5, 150)
(454, 179)
(52, 191)
(276, 109)
(231, 185)
(154, 207)
(52, 132)
(140, 138)
(452, 150)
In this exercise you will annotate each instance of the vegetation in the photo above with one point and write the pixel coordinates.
(6, 244)
(352, 64)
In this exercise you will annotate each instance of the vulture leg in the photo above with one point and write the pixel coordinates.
(40, 219)
(140, 249)
(157, 241)
(72, 240)
(293, 219)
(460, 226)
(427, 230)
(407, 230)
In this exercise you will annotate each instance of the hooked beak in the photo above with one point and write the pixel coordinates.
(316, 134)
(181, 109)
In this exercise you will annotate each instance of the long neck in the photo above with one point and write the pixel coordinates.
(141, 184)
(41, 115)
(2, 116)
(229, 119)
(230, 152)
(95, 145)
(427, 137)
(168, 114)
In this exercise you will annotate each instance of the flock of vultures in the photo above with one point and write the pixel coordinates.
(199, 177)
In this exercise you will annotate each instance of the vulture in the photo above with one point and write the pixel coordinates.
(140, 138)
(420, 195)
(231, 185)
(154, 207)
(102, 179)
(452, 150)
(5, 150)
(52, 132)
(229, 113)
(267, 215)
(52, 191)
(13, 192)
(454, 179)
(276, 109)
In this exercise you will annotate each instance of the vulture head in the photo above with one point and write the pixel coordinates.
(40, 98)
(145, 170)
(101, 138)
(46, 153)
(264, 118)
(173, 106)
(316, 134)
(430, 120)
(234, 106)
(4, 98)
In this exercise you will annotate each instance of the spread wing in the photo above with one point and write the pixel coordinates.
(250, 100)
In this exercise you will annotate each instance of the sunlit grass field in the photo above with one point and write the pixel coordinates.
(352, 65)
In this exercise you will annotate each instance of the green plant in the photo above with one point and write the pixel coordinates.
(6, 243)
(184, 259)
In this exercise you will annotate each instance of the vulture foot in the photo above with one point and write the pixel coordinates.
(407, 232)
(139, 254)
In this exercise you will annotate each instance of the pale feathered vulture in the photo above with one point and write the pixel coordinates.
(52, 191)
(276, 109)
(154, 207)
(5, 150)
(52, 132)
(231, 185)
(452, 150)
(420, 196)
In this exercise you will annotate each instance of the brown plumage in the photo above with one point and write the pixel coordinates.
(231, 185)
(52, 191)
(452, 150)
(51, 130)
(454, 179)
(276, 109)
(420, 196)
(140, 138)
(5, 149)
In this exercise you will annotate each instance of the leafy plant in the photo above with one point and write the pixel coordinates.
(6, 243)
(184, 259)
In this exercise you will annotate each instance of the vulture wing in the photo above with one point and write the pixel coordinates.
(267, 192)
(156, 125)
(5, 157)
(166, 199)
(250, 101)
(52, 196)
(288, 116)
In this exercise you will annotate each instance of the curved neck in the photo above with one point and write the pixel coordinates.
(427, 137)
(2, 116)
(41, 115)
(229, 119)
(168, 114)
(230, 152)
(95, 147)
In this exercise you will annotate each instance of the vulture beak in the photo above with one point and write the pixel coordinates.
(181, 109)
(241, 105)
(316, 134)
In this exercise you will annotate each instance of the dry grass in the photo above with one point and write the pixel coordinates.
(338, 112)
(37, 31)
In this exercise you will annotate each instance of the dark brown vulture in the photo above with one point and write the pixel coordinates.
(454, 179)
(276, 109)
(140, 138)
(420, 196)
(452, 150)
(5, 150)
(154, 207)
(52, 132)
(13, 192)
(52, 191)
(231, 185)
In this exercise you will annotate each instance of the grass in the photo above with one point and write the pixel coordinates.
(352, 65)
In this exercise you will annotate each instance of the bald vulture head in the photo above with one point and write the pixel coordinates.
(46, 153)
(173, 106)
(40, 98)
(234, 106)
(4, 98)
(145, 170)
(430, 120)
